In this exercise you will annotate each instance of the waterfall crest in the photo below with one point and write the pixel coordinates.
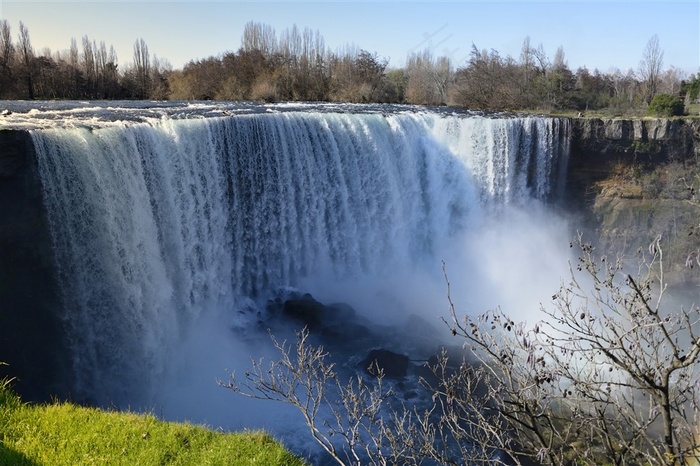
(155, 223)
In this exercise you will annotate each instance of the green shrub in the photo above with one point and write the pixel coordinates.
(665, 105)
(691, 88)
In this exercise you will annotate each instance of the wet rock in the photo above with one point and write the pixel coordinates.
(618, 129)
(340, 312)
(658, 129)
(393, 365)
(347, 333)
(639, 131)
(305, 309)
(15, 154)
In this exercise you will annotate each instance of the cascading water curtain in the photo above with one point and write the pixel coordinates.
(154, 224)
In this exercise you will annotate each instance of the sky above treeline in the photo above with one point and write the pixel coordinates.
(596, 34)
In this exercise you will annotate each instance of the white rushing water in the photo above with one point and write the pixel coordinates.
(159, 224)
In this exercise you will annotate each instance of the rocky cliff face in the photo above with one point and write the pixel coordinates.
(31, 336)
(623, 132)
(601, 146)
(635, 179)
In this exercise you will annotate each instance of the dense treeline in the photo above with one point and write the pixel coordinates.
(86, 72)
(297, 65)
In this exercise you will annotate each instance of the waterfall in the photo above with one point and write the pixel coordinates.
(157, 223)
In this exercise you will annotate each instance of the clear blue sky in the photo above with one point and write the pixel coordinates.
(597, 34)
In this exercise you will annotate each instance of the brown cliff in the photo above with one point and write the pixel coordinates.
(635, 179)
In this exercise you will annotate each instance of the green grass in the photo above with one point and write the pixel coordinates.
(60, 433)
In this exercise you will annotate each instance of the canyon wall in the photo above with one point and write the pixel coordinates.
(632, 180)
(600, 146)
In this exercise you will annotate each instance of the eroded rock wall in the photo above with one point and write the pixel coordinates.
(620, 132)
(633, 180)
(31, 336)
(599, 146)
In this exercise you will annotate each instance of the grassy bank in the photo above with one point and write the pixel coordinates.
(66, 434)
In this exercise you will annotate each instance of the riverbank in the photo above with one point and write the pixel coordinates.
(63, 433)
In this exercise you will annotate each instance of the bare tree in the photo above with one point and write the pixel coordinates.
(259, 36)
(110, 73)
(159, 85)
(74, 63)
(559, 59)
(345, 419)
(303, 69)
(650, 66)
(7, 57)
(489, 81)
(607, 377)
(428, 78)
(26, 56)
(541, 62)
(7, 49)
(89, 67)
(624, 86)
(527, 61)
(670, 81)
(142, 69)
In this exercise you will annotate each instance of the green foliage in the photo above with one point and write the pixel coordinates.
(66, 434)
(399, 79)
(665, 105)
(691, 87)
(651, 147)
